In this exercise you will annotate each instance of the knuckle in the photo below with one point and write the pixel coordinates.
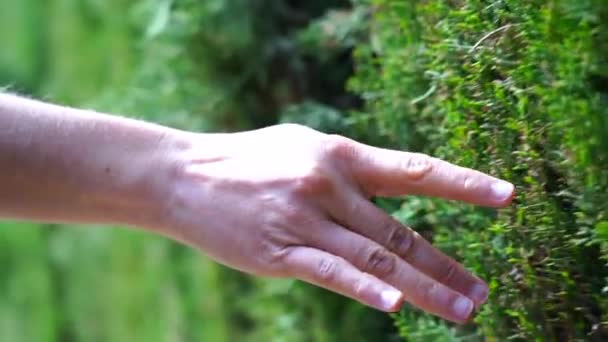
(379, 262)
(339, 147)
(417, 166)
(272, 258)
(282, 212)
(361, 286)
(315, 181)
(401, 240)
(272, 247)
(326, 271)
(448, 274)
(269, 246)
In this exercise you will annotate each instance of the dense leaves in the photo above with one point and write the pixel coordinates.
(516, 89)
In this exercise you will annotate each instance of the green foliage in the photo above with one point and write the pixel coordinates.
(516, 89)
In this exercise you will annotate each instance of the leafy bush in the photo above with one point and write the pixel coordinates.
(516, 89)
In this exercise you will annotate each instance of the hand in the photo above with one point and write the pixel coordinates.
(288, 201)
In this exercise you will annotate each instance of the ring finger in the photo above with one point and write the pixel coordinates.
(368, 256)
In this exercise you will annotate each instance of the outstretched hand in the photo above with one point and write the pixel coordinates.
(288, 201)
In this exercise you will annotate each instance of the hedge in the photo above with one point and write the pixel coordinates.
(518, 89)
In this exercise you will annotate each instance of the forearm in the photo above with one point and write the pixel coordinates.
(66, 165)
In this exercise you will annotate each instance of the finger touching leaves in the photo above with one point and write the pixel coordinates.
(382, 172)
(363, 217)
(420, 289)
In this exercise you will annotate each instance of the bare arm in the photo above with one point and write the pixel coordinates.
(285, 201)
(66, 165)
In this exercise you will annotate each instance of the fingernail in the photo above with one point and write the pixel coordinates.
(502, 190)
(479, 293)
(390, 299)
(462, 308)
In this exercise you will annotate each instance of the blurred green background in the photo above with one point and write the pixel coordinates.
(209, 65)
(518, 89)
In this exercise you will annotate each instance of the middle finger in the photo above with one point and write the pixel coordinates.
(369, 257)
(360, 215)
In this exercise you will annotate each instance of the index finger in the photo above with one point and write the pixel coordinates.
(383, 172)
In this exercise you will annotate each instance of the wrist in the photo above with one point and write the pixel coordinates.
(167, 181)
(155, 169)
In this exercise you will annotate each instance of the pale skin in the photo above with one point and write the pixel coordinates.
(285, 201)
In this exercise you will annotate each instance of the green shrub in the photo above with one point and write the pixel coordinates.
(516, 89)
